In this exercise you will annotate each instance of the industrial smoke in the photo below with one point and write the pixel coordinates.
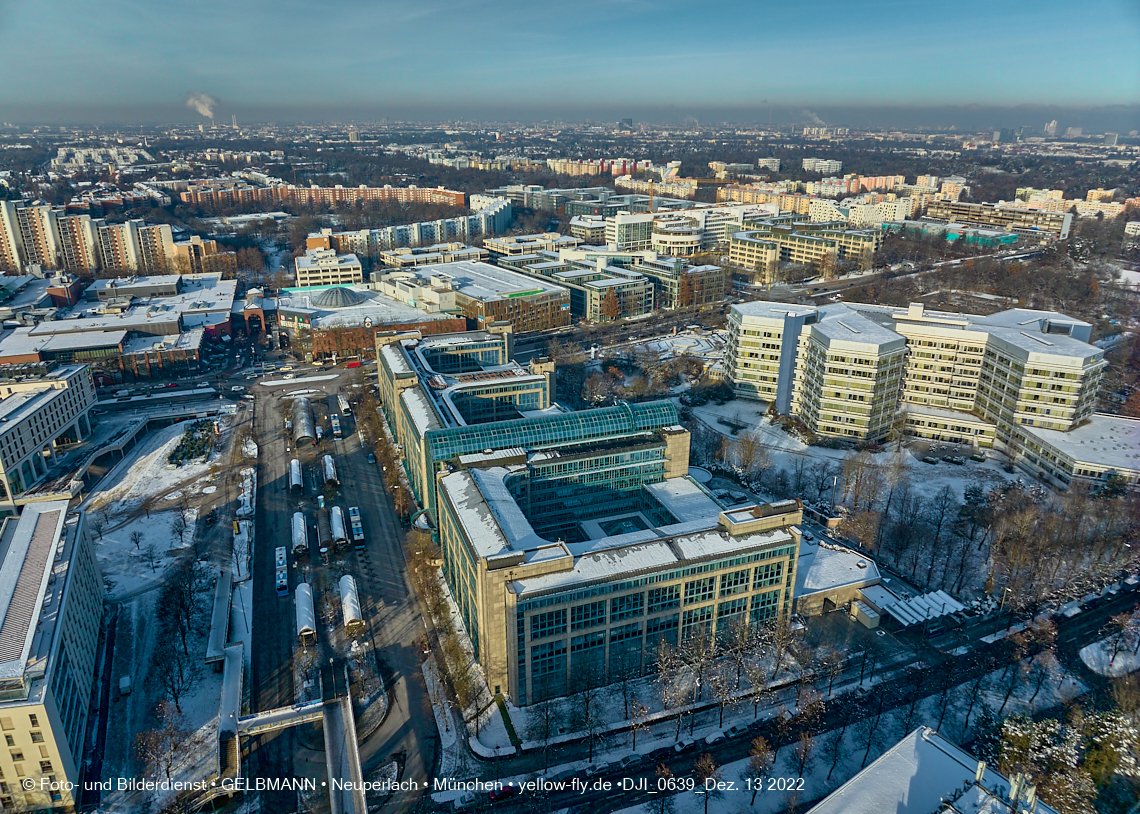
(203, 103)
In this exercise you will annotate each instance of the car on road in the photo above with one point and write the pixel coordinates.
(629, 761)
(237, 388)
(353, 364)
(371, 458)
(684, 745)
(288, 376)
(503, 793)
(203, 384)
(171, 384)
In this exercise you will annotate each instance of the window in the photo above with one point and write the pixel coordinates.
(45, 766)
(626, 607)
(591, 615)
(698, 618)
(17, 755)
(664, 598)
(34, 720)
(552, 623)
(730, 609)
(700, 590)
(734, 583)
(769, 574)
(765, 606)
(37, 737)
(587, 640)
(10, 739)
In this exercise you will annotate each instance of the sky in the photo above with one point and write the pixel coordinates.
(938, 64)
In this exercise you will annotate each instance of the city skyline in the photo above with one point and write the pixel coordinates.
(982, 66)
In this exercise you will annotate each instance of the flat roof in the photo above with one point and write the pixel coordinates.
(772, 310)
(824, 567)
(185, 341)
(484, 282)
(915, 776)
(29, 545)
(1106, 440)
(378, 308)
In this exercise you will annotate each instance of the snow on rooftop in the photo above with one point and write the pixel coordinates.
(482, 281)
(1106, 440)
(684, 499)
(824, 567)
(421, 412)
(913, 777)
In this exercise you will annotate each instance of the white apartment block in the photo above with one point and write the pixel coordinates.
(1027, 380)
(37, 416)
(325, 267)
(51, 596)
(822, 165)
(768, 164)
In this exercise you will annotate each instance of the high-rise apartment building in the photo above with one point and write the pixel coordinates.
(198, 256)
(826, 166)
(326, 267)
(79, 242)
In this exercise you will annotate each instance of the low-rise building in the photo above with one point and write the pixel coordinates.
(590, 229)
(411, 257)
(529, 244)
(51, 599)
(324, 267)
(487, 294)
(822, 165)
(1025, 222)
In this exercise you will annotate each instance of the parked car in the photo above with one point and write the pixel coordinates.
(658, 755)
(371, 458)
(736, 731)
(715, 737)
(503, 793)
(172, 384)
(203, 384)
(629, 761)
(237, 388)
(929, 459)
(684, 745)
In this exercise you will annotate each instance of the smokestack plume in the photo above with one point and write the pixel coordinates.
(202, 103)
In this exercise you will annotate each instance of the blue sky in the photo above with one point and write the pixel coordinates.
(477, 58)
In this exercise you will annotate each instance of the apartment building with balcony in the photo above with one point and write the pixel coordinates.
(1027, 222)
(325, 267)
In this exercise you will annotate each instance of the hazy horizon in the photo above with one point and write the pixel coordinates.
(890, 63)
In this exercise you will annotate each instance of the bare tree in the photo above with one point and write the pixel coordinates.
(137, 538)
(150, 557)
(147, 504)
(760, 760)
(723, 687)
(178, 525)
(175, 673)
(159, 747)
(803, 755)
(542, 725)
(662, 803)
(638, 719)
(98, 525)
(704, 770)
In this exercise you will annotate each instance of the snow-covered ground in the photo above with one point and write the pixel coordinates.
(1098, 658)
(145, 472)
(125, 566)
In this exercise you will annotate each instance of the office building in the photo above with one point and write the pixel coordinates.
(1025, 380)
(925, 772)
(528, 244)
(598, 293)
(574, 543)
(590, 229)
(324, 267)
(41, 414)
(411, 257)
(51, 598)
(768, 164)
(1025, 222)
(487, 294)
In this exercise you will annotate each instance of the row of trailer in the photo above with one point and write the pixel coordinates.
(328, 474)
(307, 616)
(305, 429)
(334, 531)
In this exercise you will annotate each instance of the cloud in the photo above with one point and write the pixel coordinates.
(203, 103)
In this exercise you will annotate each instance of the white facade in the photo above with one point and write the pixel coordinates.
(326, 267)
(34, 415)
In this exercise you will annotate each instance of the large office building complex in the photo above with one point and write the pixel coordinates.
(1027, 379)
(1025, 222)
(51, 600)
(574, 543)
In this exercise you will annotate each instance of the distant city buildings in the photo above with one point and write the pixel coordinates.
(822, 165)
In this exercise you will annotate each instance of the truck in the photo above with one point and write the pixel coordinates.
(339, 530)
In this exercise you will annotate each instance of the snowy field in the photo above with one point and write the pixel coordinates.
(128, 568)
(1098, 658)
(784, 447)
(146, 472)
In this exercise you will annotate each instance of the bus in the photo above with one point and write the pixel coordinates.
(345, 408)
(336, 427)
(282, 563)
